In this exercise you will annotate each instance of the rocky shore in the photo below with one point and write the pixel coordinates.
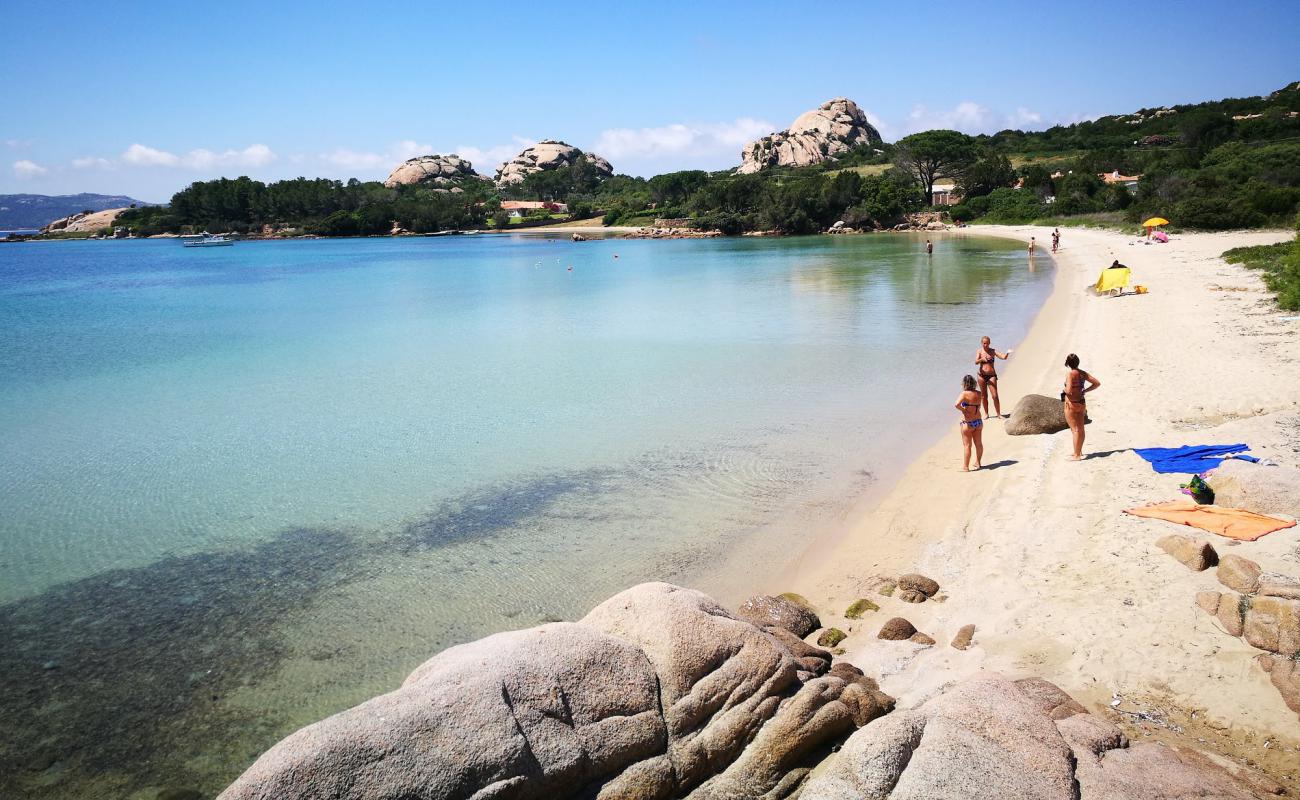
(660, 692)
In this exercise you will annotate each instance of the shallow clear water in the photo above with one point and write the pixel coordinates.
(246, 487)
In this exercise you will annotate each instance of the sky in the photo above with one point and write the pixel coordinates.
(145, 98)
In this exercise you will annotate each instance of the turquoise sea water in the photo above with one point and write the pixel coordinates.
(246, 487)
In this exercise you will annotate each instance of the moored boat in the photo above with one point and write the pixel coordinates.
(208, 240)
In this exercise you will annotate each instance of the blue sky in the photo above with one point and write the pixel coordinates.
(142, 98)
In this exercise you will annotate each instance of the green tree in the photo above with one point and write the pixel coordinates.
(990, 171)
(930, 155)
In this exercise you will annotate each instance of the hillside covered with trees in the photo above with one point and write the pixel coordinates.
(1223, 164)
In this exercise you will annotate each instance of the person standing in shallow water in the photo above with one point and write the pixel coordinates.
(929, 247)
(988, 373)
(1076, 410)
(972, 427)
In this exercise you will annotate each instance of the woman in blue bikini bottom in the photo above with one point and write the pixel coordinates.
(972, 427)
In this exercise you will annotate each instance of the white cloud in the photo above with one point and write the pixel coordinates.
(356, 160)
(28, 169)
(486, 160)
(970, 117)
(351, 159)
(18, 144)
(680, 139)
(255, 155)
(93, 162)
(409, 148)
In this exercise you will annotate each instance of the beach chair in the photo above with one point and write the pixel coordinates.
(1113, 280)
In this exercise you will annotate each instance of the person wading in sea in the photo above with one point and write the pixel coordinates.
(988, 373)
(972, 427)
(929, 247)
(1076, 410)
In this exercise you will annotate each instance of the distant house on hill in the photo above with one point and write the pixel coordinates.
(521, 208)
(1129, 182)
(946, 194)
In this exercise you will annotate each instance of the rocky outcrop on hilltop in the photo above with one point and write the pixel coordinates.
(826, 132)
(990, 737)
(84, 223)
(446, 172)
(659, 692)
(548, 154)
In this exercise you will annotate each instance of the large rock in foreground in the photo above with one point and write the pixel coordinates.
(991, 738)
(548, 154)
(826, 132)
(1264, 490)
(1036, 413)
(657, 693)
(442, 172)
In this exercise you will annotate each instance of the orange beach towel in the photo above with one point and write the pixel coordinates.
(1235, 523)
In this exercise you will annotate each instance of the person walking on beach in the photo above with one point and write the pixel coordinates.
(929, 247)
(972, 427)
(1056, 239)
(1076, 410)
(988, 372)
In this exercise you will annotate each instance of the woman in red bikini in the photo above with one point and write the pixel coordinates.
(972, 427)
(1076, 410)
(988, 374)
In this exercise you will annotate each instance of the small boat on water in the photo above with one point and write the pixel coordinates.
(208, 240)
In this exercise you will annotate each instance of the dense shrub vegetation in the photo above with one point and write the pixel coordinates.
(1225, 164)
(320, 206)
(1280, 264)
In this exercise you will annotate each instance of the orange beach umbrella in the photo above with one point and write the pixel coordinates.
(1155, 222)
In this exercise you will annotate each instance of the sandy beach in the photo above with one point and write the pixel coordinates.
(1035, 551)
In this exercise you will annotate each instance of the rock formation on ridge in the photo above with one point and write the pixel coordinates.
(443, 172)
(84, 223)
(826, 132)
(547, 154)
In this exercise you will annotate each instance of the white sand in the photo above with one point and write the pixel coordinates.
(1037, 554)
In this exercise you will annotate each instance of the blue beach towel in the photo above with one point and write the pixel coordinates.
(1192, 458)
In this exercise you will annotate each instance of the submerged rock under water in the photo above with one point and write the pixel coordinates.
(120, 679)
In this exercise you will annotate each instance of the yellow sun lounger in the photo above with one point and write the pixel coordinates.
(1113, 279)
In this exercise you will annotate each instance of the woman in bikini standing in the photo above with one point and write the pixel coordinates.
(988, 374)
(1076, 410)
(972, 427)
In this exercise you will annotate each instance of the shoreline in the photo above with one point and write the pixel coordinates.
(1036, 553)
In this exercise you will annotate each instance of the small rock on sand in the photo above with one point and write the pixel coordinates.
(1238, 573)
(914, 588)
(1264, 490)
(1284, 673)
(831, 637)
(964, 636)
(1273, 624)
(896, 630)
(765, 610)
(919, 583)
(921, 638)
(1036, 413)
(860, 607)
(880, 585)
(1227, 607)
(1193, 553)
(1269, 588)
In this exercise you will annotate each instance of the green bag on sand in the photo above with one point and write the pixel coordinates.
(1199, 490)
